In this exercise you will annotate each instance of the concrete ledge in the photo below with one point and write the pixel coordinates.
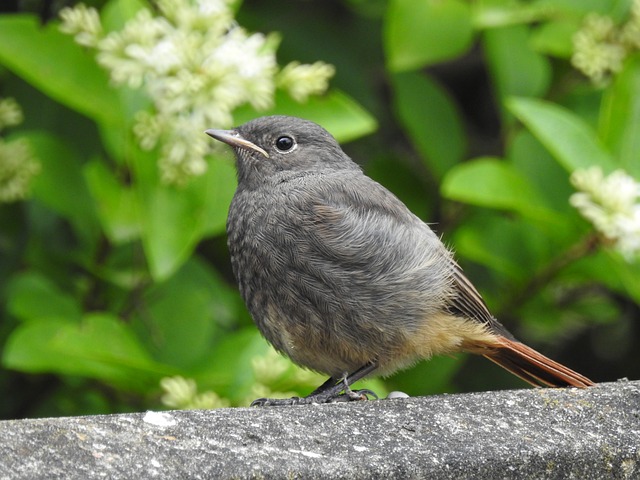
(536, 433)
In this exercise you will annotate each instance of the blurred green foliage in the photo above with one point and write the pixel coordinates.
(111, 280)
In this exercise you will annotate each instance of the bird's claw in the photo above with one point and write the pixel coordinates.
(355, 396)
(277, 402)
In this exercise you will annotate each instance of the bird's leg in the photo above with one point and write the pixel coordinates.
(328, 385)
(329, 391)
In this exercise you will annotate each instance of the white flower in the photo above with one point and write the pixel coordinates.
(183, 142)
(18, 165)
(198, 14)
(148, 129)
(629, 239)
(269, 367)
(631, 31)
(17, 168)
(83, 23)
(10, 113)
(178, 391)
(612, 204)
(601, 46)
(598, 51)
(197, 66)
(183, 393)
(301, 81)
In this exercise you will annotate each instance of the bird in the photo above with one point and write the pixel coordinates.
(341, 277)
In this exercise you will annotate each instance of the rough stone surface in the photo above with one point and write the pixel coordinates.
(542, 433)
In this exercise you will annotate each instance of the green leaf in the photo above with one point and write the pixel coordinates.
(117, 204)
(555, 38)
(53, 63)
(614, 9)
(438, 374)
(426, 32)
(174, 220)
(627, 274)
(338, 113)
(231, 379)
(566, 136)
(116, 13)
(620, 117)
(490, 182)
(536, 164)
(515, 67)
(170, 230)
(503, 13)
(118, 140)
(60, 185)
(29, 347)
(429, 116)
(100, 347)
(508, 246)
(195, 294)
(33, 296)
(611, 270)
(215, 189)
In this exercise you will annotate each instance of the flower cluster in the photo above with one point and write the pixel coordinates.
(601, 46)
(197, 66)
(301, 81)
(17, 163)
(10, 113)
(183, 394)
(612, 204)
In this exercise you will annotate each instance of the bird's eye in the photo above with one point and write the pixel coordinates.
(285, 144)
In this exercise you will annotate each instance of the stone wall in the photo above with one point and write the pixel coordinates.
(533, 433)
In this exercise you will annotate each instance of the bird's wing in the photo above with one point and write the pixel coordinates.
(364, 221)
(469, 303)
(361, 220)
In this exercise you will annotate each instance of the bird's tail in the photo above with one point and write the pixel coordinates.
(533, 367)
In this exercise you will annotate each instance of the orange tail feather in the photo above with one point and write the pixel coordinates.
(533, 367)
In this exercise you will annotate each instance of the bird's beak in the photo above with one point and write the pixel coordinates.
(233, 138)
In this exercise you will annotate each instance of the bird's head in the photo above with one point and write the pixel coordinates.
(277, 146)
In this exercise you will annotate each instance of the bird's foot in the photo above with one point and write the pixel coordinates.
(280, 402)
(354, 396)
(330, 392)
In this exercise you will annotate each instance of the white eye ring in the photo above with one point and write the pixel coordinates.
(285, 144)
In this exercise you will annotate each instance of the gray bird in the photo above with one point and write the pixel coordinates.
(341, 277)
